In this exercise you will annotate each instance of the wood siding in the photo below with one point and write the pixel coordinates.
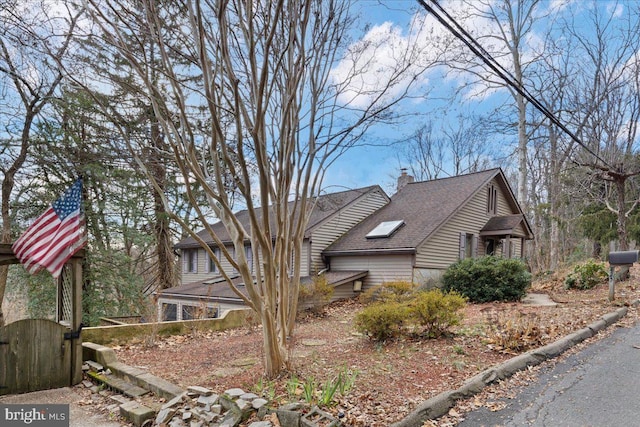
(341, 222)
(203, 267)
(343, 291)
(321, 237)
(381, 268)
(443, 248)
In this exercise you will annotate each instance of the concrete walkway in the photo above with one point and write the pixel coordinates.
(538, 300)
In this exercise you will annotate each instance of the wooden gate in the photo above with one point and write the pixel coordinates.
(34, 355)
(40, 354)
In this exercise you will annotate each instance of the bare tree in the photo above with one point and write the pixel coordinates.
(552, 150)
(502, 31)
(452, 148)
(33, 39)
(607, 90)
(275, 115)
(424, 154)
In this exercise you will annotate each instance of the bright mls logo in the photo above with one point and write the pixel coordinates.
(34, 415)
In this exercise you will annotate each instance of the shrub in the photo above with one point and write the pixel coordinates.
(436, 311)
(316, 295)
(382, 320)
(398, 290)
(586, 275)
(433, 312)
(488, 279)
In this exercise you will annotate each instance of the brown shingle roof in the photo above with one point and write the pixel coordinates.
(209, 288)
(424, 207)
(326, 205)
(337, 278)
(218, 288)
(503, 225)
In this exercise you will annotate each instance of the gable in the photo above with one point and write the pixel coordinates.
(424, 207)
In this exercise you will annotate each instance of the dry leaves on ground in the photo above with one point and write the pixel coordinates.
(392, 378)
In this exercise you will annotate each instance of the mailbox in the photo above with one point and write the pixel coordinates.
(623, 257)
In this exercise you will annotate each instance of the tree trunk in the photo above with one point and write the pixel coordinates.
(554, 214)
(7, 188)
(623, 240)
(275, 359)
(164, 254)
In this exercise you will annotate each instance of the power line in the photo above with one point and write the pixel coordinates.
(460, 33)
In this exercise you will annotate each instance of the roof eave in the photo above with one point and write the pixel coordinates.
(199, 297)
(397, 251)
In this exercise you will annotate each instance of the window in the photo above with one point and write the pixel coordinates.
(189, 312)
(492, 200)
(468, 245)
(193, 312)
(248, 253)
(169, 312)
(385, 229)
(212, 312)
(213, 268)
(190, 260)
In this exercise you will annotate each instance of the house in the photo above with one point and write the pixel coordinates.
(361, 238)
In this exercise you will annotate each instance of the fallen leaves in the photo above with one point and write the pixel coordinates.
(393, 379)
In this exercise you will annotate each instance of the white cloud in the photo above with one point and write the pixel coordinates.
(371, 66)
(615, 9)
(560, 5)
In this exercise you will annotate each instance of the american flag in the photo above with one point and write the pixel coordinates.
(55, 236)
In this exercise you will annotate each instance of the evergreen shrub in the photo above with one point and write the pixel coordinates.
(488, 278)
(397, 290)
(586, 275)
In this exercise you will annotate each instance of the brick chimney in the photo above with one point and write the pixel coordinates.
(403, 179)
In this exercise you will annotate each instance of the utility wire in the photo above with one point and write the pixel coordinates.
(504, 74)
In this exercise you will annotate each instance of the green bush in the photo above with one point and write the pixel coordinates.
(436, 311)
(488, 279)
(382, 320)
(400, 305)
(586, 275)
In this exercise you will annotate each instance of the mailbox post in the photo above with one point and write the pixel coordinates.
(620, 259)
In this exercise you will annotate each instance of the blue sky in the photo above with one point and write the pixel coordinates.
(375, 163)
(368, 165)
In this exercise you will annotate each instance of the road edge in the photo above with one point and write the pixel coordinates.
(440, 404)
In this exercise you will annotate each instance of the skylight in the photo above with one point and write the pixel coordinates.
(385, 229)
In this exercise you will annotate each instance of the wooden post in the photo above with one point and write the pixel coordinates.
(612, 278)
(76, 318)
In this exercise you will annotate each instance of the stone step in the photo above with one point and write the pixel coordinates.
(136, 413)
(119, 385)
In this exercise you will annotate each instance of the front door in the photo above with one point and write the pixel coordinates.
(491, 247)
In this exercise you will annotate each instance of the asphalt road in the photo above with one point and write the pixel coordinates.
(599, 387)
